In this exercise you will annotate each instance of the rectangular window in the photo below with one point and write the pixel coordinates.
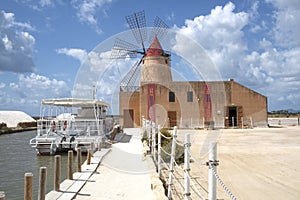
(189, 96)
(171, 97)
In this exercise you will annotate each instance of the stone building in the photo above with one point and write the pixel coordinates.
(200, 104)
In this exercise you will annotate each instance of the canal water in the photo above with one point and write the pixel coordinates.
(17, 158)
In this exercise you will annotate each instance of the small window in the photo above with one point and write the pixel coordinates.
(189, 96)
(171, 97)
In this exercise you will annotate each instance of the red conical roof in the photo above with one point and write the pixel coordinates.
(155, 48)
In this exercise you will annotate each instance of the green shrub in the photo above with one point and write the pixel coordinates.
(27, 124)
(3, 125)
(166, 144)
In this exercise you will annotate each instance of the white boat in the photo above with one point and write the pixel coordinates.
(69, 123)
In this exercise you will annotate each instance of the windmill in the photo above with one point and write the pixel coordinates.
(123, 49)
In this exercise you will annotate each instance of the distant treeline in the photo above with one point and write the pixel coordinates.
(284, 112)
(22, 126)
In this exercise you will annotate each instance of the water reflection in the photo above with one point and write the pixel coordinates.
(17, 158)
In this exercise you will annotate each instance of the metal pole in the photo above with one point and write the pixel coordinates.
(28, 180)
(187, 167)
(232, 119)
(70, 164)
(42, 183)
(159, 151)
(172, 160)
(212, 181)
(57, 173)
(79, 159)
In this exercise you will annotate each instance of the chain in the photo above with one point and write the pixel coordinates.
(211, 164)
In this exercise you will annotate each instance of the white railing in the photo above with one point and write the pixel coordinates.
(187, 185)
(77, 127)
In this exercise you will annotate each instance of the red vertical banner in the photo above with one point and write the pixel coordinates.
(151, 102)
(207, 104)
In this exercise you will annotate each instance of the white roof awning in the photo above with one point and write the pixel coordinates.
(71, 102)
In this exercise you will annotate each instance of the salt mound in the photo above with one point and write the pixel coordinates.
(12, 118)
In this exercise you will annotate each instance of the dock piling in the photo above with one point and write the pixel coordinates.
(99, 146)
(57, 173)
(89, 155)
(70, 164)
(28, 181)
(79, 159)
(92, 149)
(42, 183)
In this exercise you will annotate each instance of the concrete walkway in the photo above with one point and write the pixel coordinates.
(69, 188)
(123, 174)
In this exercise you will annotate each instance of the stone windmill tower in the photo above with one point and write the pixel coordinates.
(151, 69)
(155, 65)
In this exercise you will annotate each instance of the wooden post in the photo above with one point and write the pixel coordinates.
(89, 155)
(242, 122)
(172, 160)
(99, 146)
(212, 181)
(42, 183)
(70, 164)
(159, 151)
(79, 159)
(92, 149)
(57, 173)
(28, 180)
(187, 146)
(2, 195)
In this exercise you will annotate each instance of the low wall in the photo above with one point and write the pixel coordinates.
(284, 121)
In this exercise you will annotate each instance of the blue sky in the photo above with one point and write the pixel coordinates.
(44, 45)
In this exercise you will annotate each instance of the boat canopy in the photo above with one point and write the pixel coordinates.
(72, 102)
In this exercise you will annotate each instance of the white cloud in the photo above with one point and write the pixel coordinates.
(271, 67)
(101, 71)
(16, 45)
(287, 29)
(78, 54)
(13, 85)
(46, 3)
(221, 35)
(87, 11)
(7, 43)
(27, 91)
(171, 17)
(2, 85)
(43, 86)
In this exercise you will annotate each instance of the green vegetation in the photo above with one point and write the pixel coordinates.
(166, 144)
(4, 128)
(284, 113)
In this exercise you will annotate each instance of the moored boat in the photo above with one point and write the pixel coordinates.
(69, 123)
